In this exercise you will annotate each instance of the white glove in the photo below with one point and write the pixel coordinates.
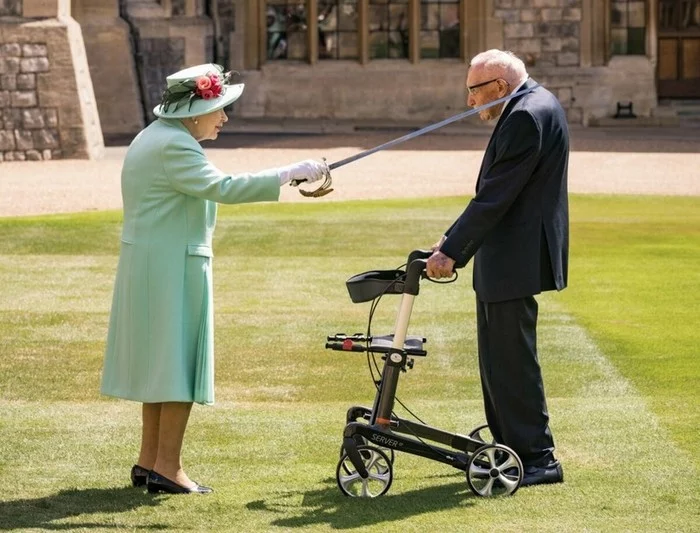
(308, 171)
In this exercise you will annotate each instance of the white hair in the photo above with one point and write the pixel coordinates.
(510, 66)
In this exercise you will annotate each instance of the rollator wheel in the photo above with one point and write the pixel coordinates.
(494, 470)
(482, 434)
(361, 441)
(380, 474)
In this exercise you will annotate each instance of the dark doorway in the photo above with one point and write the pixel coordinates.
(678, 70)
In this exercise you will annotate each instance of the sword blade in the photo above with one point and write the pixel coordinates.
(427, 129)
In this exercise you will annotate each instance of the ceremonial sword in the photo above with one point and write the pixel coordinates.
(325, 187)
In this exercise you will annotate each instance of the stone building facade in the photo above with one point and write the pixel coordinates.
(380, 60)
(566, 45)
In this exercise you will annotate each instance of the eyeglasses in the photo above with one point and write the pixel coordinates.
(472, 90)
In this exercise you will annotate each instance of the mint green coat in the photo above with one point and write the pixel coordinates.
(160, 345)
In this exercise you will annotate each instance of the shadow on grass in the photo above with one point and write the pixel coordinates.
(40, 513)
(329, 506)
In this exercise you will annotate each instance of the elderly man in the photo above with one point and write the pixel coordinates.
(516, 228)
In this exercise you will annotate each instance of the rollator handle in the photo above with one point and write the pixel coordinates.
(418, 254)
(414, 272)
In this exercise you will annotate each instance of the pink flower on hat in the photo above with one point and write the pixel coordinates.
(203, 83)
(209, 86)
(216, 85)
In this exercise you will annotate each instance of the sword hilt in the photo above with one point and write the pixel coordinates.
(324, 189)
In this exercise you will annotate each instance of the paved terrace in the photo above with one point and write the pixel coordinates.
(619, 160)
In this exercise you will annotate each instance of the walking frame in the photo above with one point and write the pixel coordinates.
(372, 436)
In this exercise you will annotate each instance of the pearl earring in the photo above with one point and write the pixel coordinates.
(195, 121)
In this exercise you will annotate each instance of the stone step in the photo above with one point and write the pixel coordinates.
(645, 122)
(687, 111)
(682, 107)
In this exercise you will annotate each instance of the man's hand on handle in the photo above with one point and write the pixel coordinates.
(440, 266)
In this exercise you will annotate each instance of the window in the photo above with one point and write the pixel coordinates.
(388, 29)
(286, 30)
(439, 25)
(337, 29)
(359, 30)
(628, 27)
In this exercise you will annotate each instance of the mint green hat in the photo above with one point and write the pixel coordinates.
(197, 91)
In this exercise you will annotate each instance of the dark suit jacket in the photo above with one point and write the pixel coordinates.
(517, 225)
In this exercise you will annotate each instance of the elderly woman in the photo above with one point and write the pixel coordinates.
(160, 344)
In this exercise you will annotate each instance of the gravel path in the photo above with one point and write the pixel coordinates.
(617, 162)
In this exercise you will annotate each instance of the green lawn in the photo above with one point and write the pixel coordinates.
(617, 349)
(635, 286)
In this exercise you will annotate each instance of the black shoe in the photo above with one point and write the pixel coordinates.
(157, 483)
(138, 476)
(542, 475)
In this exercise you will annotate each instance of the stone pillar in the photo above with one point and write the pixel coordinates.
(115, 81)
(229, 33)
(484, 26)
(46, 94)
(169, 36)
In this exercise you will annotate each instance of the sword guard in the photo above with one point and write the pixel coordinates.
(323, 190)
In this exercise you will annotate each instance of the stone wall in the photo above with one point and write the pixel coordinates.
(422, 93)
(398, 90)
(597, 90)
(388, 89)
(47, 101)
(28, 131)
(546, 33)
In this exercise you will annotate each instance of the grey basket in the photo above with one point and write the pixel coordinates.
(370, 285)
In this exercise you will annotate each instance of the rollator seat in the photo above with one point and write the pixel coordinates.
(375, 283)
(413, 344)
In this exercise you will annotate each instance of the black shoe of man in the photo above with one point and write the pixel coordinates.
(543, 475)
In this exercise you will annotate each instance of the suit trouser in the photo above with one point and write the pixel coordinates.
(511, 379)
